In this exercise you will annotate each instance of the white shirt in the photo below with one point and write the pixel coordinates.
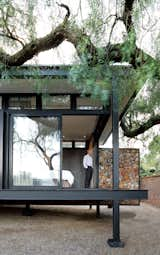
(87, 161)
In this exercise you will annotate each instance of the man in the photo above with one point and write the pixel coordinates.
(88, 166)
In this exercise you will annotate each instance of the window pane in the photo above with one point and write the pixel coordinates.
(56, 102)
(22, 103)
(36, 151)
(86, 103)
(67, 144)
(80, 144)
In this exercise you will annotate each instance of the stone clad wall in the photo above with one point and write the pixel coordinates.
(128, 169)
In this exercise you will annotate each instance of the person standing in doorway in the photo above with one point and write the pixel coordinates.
(88, 166)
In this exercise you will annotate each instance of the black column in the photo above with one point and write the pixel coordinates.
(96, 146)
(39, 101)
(115, 241)
(1, 146)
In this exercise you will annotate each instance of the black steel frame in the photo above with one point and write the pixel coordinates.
(1, 147)
(115, 241)
(79, 195)
(9, 114)
(63, 196)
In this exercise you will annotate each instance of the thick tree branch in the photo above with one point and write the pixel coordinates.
(75, 35)
(67, 9)
(52, 40)
(127, 14)
(63, 32)
(154, 120)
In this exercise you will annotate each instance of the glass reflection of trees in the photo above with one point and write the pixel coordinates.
(36, 151)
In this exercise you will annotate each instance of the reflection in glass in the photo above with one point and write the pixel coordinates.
(67, 144)
(80, 145)
(86, 103)
(36, 151)
(56, 102)
(22, 102)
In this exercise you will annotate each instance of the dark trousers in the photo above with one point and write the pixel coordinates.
(88, 176)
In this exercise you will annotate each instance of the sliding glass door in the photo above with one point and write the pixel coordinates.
(36, 145)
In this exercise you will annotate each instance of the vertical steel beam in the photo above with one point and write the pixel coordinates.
(1, 146)
(39, 101)
(6, 151)
(115, 134)
(61, 151)
(115, 241)
(73, 102)
(96, 146)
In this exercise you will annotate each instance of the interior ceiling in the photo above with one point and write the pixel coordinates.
(78, 128)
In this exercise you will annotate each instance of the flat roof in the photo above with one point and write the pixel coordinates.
(54, 80)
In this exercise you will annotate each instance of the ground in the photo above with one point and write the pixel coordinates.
(76, 231)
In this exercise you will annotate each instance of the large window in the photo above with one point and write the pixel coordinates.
(36, 151)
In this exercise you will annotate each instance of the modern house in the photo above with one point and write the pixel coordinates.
(44, 133)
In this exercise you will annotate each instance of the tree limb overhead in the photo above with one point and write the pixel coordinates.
(154, 120)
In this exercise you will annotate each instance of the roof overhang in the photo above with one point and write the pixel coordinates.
(53, 80)
(30, 86)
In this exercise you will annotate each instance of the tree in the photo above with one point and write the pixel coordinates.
(18, 29)
(151, 161)
(40, 140)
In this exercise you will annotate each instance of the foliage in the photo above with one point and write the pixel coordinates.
(89, 80)
(145, 105)
(93, 38)
(15, 18)
(151, 161)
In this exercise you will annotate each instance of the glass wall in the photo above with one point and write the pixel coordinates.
(22, 102)
(86, 103)
(36, 151)
(56, 102)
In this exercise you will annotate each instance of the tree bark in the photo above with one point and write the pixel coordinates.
(127, 14)
(154, 120)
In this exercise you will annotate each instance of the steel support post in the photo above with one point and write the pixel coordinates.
(115, 241)
(27, 211)
(1, 146)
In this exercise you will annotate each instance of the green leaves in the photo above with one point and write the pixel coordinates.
(128, 47)
(92, 80)
(97, 80)
(152, 159)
